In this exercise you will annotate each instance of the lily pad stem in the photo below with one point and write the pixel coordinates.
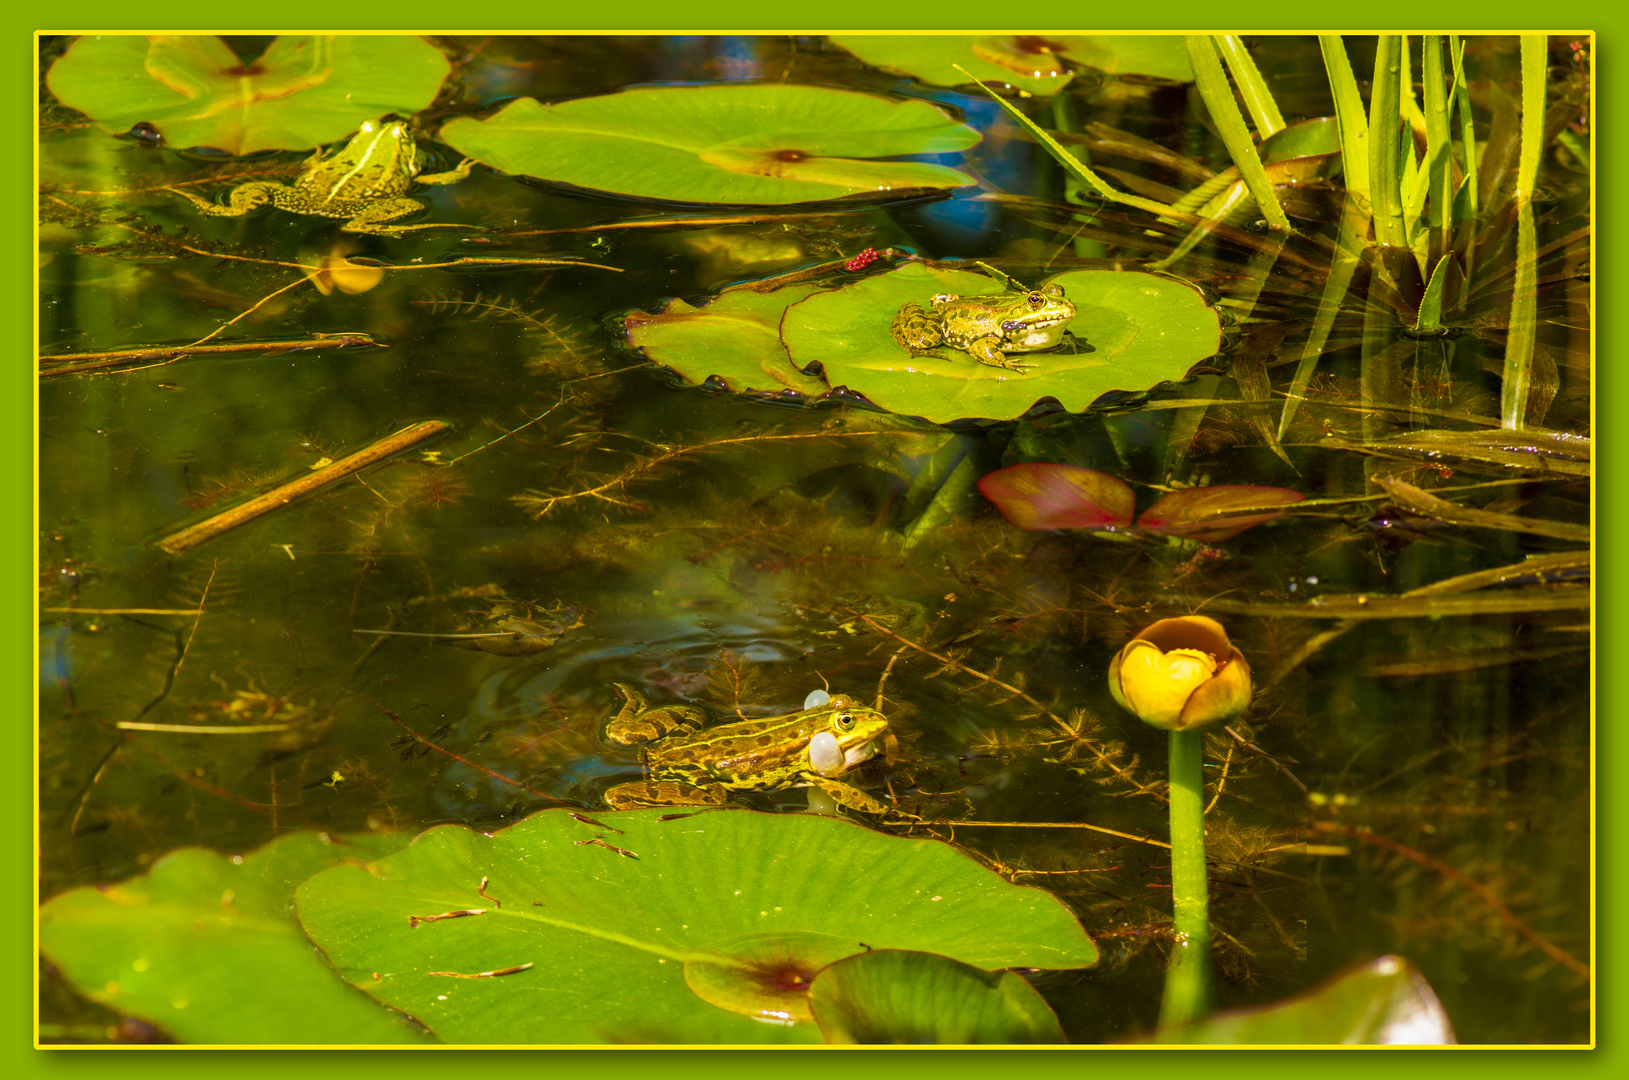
(1189, 984)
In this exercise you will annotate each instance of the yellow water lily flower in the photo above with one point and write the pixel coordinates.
(1181, 675)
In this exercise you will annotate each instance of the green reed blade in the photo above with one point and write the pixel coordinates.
(1224, 111)
(1518, 372)
(1438, 142)
(1430, 315)
(1062, 156)
(1354, 124)
(1252, 87)
(1384, 143)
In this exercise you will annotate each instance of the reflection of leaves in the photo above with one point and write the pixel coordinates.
(615, 942)
(740, 144)
(302, 92)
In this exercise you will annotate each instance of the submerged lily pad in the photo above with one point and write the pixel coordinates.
(735, 340)
(1144, 329)
(894, 996)
(305, 90)
(732, 144)
(1028, 62)
(1383, 1002)
(206, 947)
(635, 928)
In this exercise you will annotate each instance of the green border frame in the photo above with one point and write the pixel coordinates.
(1612, 29)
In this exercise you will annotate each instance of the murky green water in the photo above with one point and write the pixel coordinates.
(1438, 767)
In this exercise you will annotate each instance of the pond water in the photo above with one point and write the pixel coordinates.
(1412, 777)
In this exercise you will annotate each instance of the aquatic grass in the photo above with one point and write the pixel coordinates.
(1518, 365)
(1224, 111)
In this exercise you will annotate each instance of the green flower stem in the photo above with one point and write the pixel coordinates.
(1189, 982)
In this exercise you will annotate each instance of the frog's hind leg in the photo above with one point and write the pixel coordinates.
(986, 351)
(664, 793)
(250, 196)
(375, 220)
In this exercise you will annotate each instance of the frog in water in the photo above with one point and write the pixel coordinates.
(365, 182)
(987, 328)
(689, 764)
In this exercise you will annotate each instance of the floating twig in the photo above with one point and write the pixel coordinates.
(413, 921)
(76, 363)
(284, 494)
(480, 974)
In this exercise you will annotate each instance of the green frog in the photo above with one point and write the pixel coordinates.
(365, 182)
(987, 328)
(689, 764)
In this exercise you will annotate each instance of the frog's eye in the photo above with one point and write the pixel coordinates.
(843, 721)
(1036, 300)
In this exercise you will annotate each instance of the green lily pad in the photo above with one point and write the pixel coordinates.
(894, 996)
(631, 928)
(733, 144)
(302, 92)
(735, 340)
(1383, 1002)
(206, 947)
(1027, 62)
(1144, 329)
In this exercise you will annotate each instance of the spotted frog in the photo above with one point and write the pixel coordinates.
(365, 182)
(689, 764)
(987, 328)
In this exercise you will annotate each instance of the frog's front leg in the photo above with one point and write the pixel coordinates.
(987, 351)
(247, 197)
(642, 793)
(450, 177)
(850, 796)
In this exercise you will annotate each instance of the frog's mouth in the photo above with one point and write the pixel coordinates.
(859, 755)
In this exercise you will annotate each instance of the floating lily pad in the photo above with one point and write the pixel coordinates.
(1144, 329)
(206, 947)
(735, 340)
(1028, 62)
(733, 144)
(302, 92)
(632, 928)
(894, 996)
(1384, 1002)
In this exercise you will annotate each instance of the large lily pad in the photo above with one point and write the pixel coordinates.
(1144, 329)
(205, 947)
(705, 928)
(302, 92)
(894, 996)
(733, 144)
(735, 340)
(1029, 62)
(1383, 1002)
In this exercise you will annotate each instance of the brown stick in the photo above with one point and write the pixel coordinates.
(281, 496)
(74, 363)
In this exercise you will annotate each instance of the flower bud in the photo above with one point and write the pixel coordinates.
(1181, 675)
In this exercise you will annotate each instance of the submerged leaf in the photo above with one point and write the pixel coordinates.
(731, 143)
(1026, 62)
(894, 996)
(1193, 512)
(1041, 496)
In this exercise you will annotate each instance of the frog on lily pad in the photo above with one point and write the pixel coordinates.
(987, 328)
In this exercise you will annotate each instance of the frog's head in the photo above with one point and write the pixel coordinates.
(386, 145)
(1039, 308)
(847, 738)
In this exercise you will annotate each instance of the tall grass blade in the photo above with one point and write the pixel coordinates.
(1349, 114)
(1218, 98)
(1385, 181)
(1524, 301)
(1438, 144)
(1073, 165)
(1252, 87)
(1430, 316)
(1343, 264)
